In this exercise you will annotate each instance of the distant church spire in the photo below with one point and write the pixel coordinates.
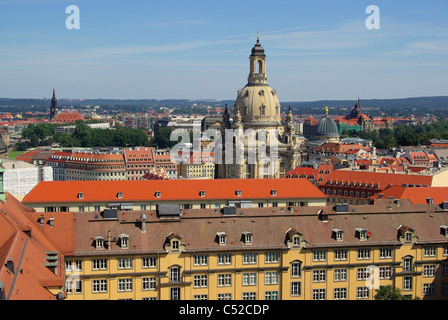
(54, 106)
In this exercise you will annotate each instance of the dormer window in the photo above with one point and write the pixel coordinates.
(361, 234)
(202, 193)
(81, 195)
(294, 239)
(274, 192)
(247, 237)
(406, 234)
(120, 195)
(444, 230)
(99, 242)
(158, 194)
(238, 193)
(124, 241)
(338, 234)
(175, 245)
(222, 238)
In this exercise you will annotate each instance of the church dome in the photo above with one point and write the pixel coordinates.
(257, 102)
(326, 127)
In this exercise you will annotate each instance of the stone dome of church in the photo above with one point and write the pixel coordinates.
(326, 127)
(257, 102)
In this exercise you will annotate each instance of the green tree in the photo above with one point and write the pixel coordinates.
(389, 293)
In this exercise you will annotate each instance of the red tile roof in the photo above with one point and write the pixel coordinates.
(144, 190)
(417, 195)
(26, 245)
(381, 178)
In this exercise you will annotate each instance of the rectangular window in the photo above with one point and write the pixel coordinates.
(249, 258)
(125, 284)
(99, 286)
(363, 254)
(340, 294)
(385, 272)
(224, 280)
(200, 281)
(271, 257)
(249, 279)
(407, 283)
(99, 264)
(319, 294)
(296, 270)
(78, 286)
(429, 289)
(124, 263)
(362, 293)
(320, 255)
(271, 295)
(296, 288)
(149, 262)
(224, 296)
(200, 260)
(149, 283)
(249, 296)
(363, 273)
(340, 255)
(319, 275)
(340, 275)
(385, 253)
(429, 270)
(224, 259)
(174, 293)
(429, 251)
(271, 278)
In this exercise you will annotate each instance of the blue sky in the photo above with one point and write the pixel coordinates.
(174, 49)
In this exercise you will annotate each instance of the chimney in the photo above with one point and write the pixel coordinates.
(143, 222)
(109, 241)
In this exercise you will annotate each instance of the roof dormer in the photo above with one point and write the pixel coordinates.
(406, 235)
(294, 239)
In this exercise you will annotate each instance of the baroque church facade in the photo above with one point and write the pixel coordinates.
(257, 111)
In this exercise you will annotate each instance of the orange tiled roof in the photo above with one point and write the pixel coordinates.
(145, 190)
(25, 245)
(377, 178)
(417, 195)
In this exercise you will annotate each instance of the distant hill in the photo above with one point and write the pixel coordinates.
(404, 106)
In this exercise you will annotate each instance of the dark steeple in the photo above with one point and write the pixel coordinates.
(258, 50)
(54, 106)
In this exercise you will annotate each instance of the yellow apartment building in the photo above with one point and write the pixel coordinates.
(307, 253)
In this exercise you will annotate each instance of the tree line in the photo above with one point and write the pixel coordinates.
(403, 135)
(44, 134)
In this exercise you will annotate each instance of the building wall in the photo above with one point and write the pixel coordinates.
(185, 204)
(315, 274)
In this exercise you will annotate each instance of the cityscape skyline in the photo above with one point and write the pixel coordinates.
(158, 50)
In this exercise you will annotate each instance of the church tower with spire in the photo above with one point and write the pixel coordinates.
(54, 106)
(257, 109)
